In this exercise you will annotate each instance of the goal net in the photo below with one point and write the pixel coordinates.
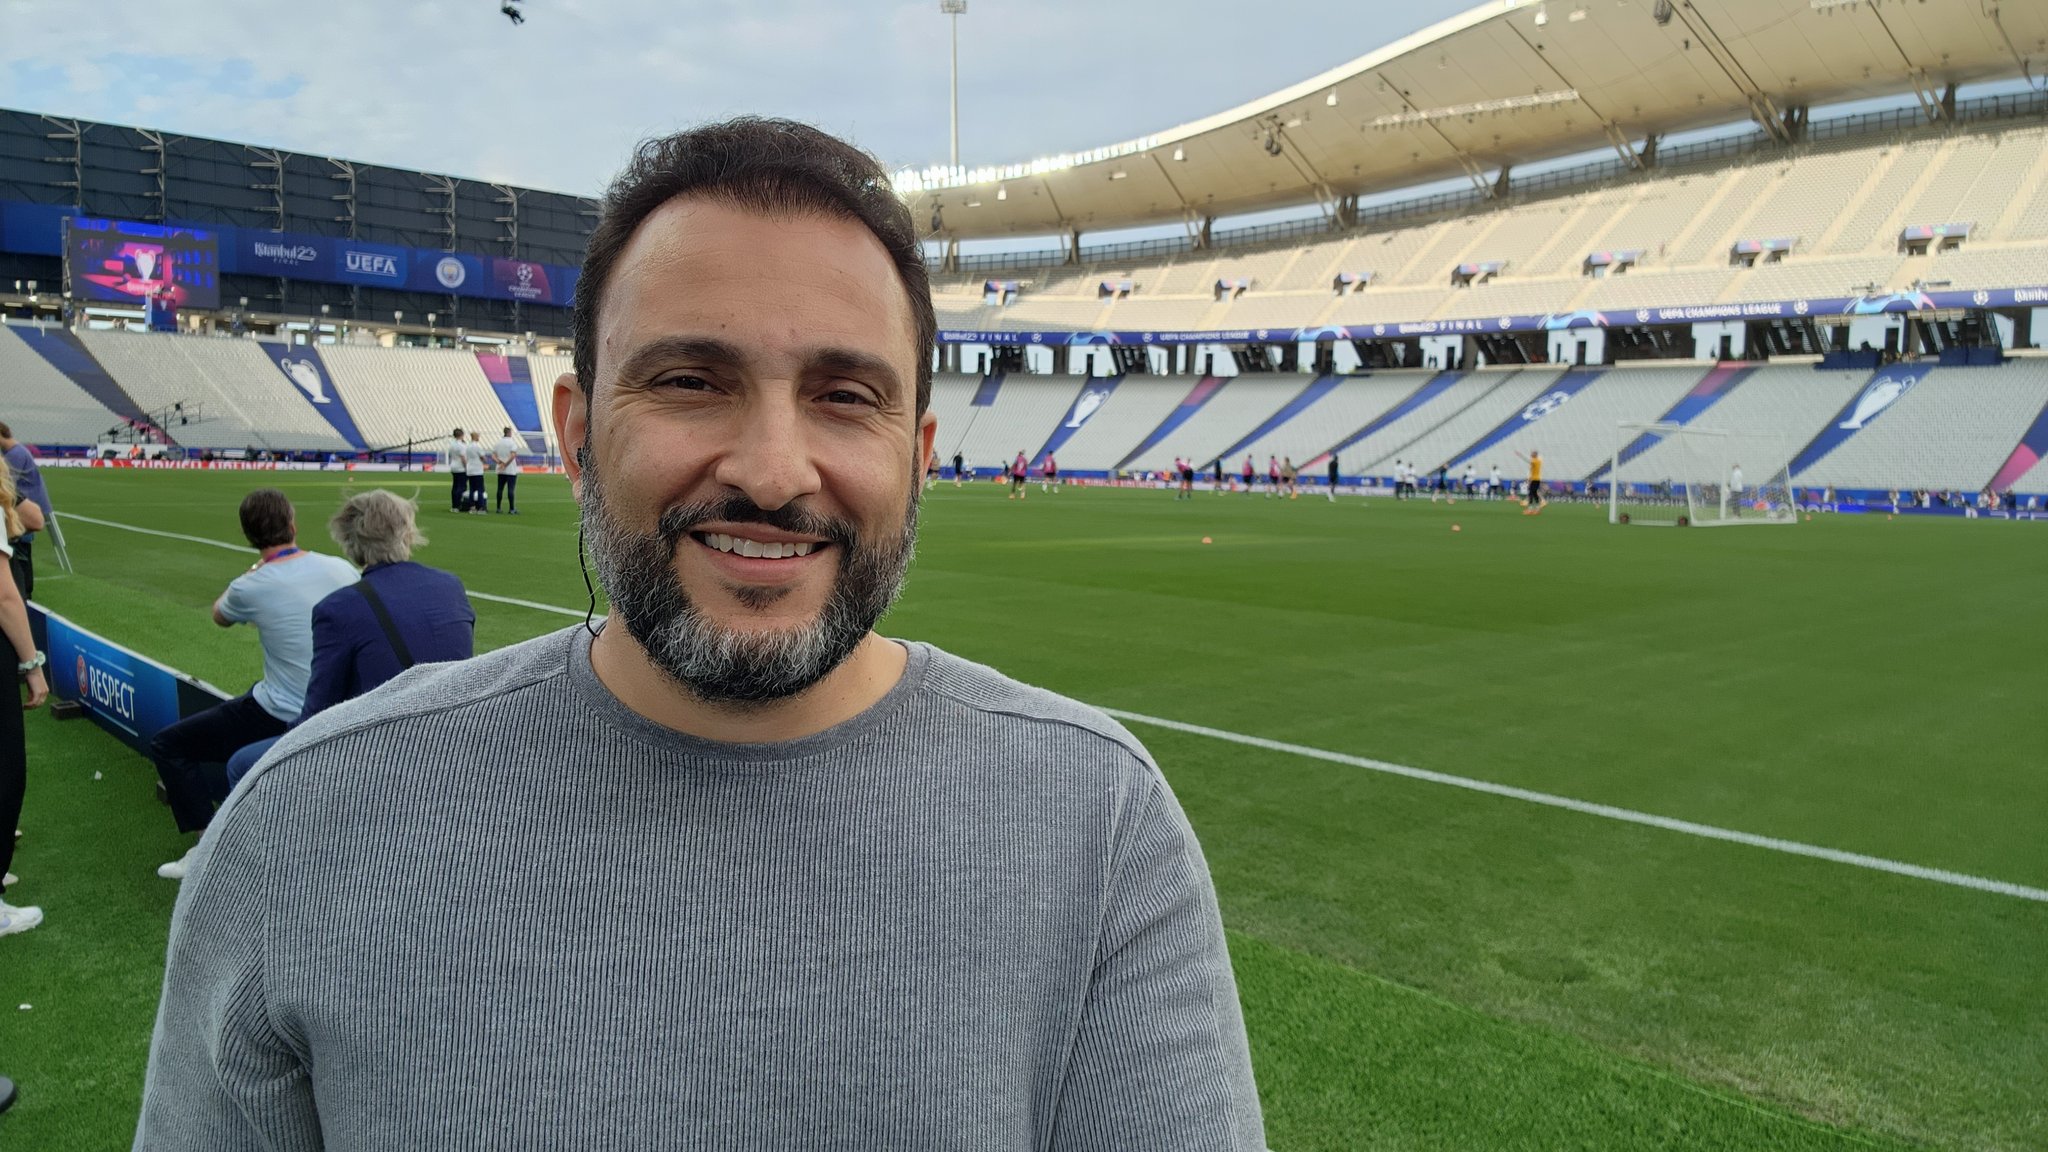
(1674, 474)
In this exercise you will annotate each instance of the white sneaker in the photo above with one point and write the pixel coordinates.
(9, 880)
(14, 919)
(175, 870)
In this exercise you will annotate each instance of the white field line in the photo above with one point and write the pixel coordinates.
(1509, 791)
(245, 549)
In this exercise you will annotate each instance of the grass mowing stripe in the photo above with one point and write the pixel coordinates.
(1583, 807)
(1668, 824)
(474, 595)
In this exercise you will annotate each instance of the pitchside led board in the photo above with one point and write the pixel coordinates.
(128, 694)
(126, 262)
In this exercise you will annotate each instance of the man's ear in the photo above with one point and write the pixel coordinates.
(927, 440)
(572, 425)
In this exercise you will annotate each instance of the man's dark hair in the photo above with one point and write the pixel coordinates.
(267, 518)
(6, 433)
(767, 165)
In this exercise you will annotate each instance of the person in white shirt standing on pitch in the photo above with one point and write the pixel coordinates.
(458, 471)
(505, 454)
(1735, 489)
(473, 457)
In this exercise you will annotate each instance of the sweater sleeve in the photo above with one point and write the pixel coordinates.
(1160, 1060)
(221, 1076)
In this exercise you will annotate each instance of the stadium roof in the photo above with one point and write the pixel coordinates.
(1510, 82)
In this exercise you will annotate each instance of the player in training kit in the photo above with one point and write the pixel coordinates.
(1493, 483)
(1272, 476)
(1534, 503)
(1217, 466)
(1020, 472)
(1288, 476)
(1333, 477)
(1050, 474)
(1186, 476)
(959, 468)
(1250, 475)
(1735, 490)
(1465, 482)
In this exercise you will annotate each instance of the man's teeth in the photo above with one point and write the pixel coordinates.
(769, 550)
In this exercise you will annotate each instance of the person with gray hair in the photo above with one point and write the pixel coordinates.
(399, 614)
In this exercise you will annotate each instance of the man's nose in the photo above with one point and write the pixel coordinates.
(768, 454)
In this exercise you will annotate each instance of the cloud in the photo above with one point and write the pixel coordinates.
(450, 86)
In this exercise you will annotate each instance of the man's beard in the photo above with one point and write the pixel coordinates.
(717, 664)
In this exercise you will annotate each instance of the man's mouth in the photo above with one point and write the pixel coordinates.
(738, 545)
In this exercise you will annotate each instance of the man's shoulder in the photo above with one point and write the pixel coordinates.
(979, 688)
(433, 693)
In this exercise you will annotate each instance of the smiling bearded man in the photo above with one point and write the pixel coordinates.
(733, 871)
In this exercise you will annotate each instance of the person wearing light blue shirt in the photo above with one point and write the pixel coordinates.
(277, 595)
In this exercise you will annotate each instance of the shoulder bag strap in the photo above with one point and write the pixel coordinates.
(383, 614)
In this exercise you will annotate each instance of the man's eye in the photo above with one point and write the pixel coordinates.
(846, 396)
(685, 382)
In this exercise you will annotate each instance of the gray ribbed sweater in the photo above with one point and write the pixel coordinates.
(489, 907)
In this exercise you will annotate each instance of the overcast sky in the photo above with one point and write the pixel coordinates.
(450, 86)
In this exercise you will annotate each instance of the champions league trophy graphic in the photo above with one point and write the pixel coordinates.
(145, 265)
(1879, 396)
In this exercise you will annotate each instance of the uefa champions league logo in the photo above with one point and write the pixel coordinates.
(1545, 405)
(1642, 315)
(306, 375)
(526, 276)
(1379, 329)
(450, 272)
(1982, 298)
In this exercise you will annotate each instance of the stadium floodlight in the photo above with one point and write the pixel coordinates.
(1002, 193)
(1179, 153)
(953, 10)
(1542, 15)
(1331, 99)
(1677, 475)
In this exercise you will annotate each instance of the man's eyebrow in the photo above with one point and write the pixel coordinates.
(668, 349)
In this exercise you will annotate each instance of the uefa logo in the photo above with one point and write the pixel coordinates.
(1982, 298)
(1642, 315)
(450, 272)
(1799, 307)
(1379, 329)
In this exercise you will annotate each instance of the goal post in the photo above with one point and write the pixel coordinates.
(1678, 475)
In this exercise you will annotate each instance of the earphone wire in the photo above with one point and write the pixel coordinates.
(583, 566)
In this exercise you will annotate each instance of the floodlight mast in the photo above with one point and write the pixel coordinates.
(955, 9)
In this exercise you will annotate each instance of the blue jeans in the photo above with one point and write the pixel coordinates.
(246, 757)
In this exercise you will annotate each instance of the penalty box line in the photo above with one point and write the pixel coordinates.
(1487, 787)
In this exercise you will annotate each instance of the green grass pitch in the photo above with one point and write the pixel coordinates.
(1421, 966)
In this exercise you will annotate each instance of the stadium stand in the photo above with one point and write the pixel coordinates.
(1017, 418)
(243, 396)
(39, 402)
(1843, 200)
(1492, 396)
(1355, 401)
(1768, 418)
(1949, 433)
(1139, 405)
(1580, 435)
(1232, 412)
(413, 395)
